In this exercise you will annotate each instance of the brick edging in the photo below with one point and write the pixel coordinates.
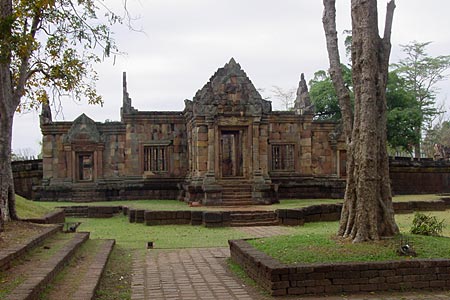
(299, 279)
(9, 254)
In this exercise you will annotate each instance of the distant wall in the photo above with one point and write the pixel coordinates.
(27, 174)
(419, 177)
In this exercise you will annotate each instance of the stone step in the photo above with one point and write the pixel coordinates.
(80, 278)
(36, 278)
(91, 279)
(16, 251)
(232, 197)
(253, 216)
(237, 203)
(254, 223)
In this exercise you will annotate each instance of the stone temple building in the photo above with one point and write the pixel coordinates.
(227, 147)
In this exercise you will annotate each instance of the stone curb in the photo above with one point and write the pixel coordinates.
(9, 254)
(39, 277)
(89, 284)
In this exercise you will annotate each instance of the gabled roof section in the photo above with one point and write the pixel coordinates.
(229, 91)
(83, 129)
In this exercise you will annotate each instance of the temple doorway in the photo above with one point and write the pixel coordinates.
(231, 159)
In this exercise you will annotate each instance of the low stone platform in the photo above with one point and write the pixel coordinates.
(280, 279)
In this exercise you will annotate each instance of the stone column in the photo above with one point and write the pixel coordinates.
(212, 191)
(210, 174)
(210, 146)
(263, 150)
(256, 169)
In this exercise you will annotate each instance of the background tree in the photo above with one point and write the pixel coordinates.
(323, 95)
(367, 212)
(421, 72)
(47, 49)
(403, 115)
(437, 138)
(286, 97)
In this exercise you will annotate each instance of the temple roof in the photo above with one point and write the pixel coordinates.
(229, 91)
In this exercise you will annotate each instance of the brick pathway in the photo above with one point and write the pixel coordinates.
(264, 231)
(198, 273)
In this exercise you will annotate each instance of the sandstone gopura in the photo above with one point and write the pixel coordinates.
(227, 137)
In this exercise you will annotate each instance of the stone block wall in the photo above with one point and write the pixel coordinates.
(315, 213)
(323, 161)
(280, 279)
(289, 128)
(419, 177)
(54, 217)
(155, 128)
(27, 175)
(151, 218)
(91, 211)
(298, 187)
(167, 217)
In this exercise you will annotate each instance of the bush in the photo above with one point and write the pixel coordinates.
(426, 225)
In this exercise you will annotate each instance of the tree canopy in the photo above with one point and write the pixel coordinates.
(323, 95)
(421, 72)
(47, 49)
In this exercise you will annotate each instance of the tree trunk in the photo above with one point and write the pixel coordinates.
(367, 213)
(417, 148)
(7, 195)
(9, 101)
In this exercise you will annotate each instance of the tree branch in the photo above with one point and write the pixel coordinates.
(24, 63)
(387, 32)
(329, 25)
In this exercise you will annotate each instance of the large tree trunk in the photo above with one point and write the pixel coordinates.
(7, 195)
(367, 212)
(7, 109)
(9, 100)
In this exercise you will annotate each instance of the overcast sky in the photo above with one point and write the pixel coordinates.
(186, 41)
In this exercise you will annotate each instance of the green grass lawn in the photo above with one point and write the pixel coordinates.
(136, 236)
(27, 209)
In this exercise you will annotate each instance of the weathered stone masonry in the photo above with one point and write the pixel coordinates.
(227, 147)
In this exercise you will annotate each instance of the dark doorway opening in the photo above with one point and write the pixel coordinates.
(231, 154)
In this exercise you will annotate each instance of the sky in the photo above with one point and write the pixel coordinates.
(179, 45)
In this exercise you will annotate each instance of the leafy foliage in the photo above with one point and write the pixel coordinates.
(403, 112)
(421, 72)
(51, 46)
(426, 225)
(323, 95)
(403, 115)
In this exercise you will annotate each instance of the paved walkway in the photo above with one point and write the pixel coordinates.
(264, 231)
(187, 274)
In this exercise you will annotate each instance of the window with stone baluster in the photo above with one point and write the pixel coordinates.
(283, 157)
(155, 159)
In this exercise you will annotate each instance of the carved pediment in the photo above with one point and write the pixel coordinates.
(83, 130)
(229, 91)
